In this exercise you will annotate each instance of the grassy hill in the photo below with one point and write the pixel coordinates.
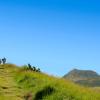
(18, 83)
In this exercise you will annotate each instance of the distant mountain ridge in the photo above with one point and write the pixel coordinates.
(84, 77)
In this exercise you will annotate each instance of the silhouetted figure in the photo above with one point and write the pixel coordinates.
(4, 60)
(0, 61)
(30, 67)
(34, 69)
(38, 70)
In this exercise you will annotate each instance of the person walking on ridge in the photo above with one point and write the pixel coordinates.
(4, 60)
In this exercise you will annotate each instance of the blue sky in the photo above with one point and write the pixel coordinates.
(55, 35)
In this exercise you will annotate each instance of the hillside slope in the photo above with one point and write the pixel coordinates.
(84, 77)
(8, 87)
(18, 83)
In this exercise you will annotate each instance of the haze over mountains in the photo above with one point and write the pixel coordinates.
(84, 77)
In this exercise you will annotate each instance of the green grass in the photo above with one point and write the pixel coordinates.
(18, 83)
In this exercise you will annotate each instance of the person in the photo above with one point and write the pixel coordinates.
(29, 66)
(4, 60)
(0, 61)
(38, 70)
(34, 68)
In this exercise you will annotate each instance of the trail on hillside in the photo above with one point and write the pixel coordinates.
(8, 87)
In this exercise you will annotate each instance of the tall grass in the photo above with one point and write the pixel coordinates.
(50, 88)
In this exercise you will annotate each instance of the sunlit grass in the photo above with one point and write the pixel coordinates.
(64, 90)
(17, 83)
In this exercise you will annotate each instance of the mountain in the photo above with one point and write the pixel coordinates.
(21, 83)
(84, 77)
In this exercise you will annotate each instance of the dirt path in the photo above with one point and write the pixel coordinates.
(8, 87)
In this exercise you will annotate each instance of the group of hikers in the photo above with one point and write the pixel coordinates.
(3, 60)
(33, 68)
